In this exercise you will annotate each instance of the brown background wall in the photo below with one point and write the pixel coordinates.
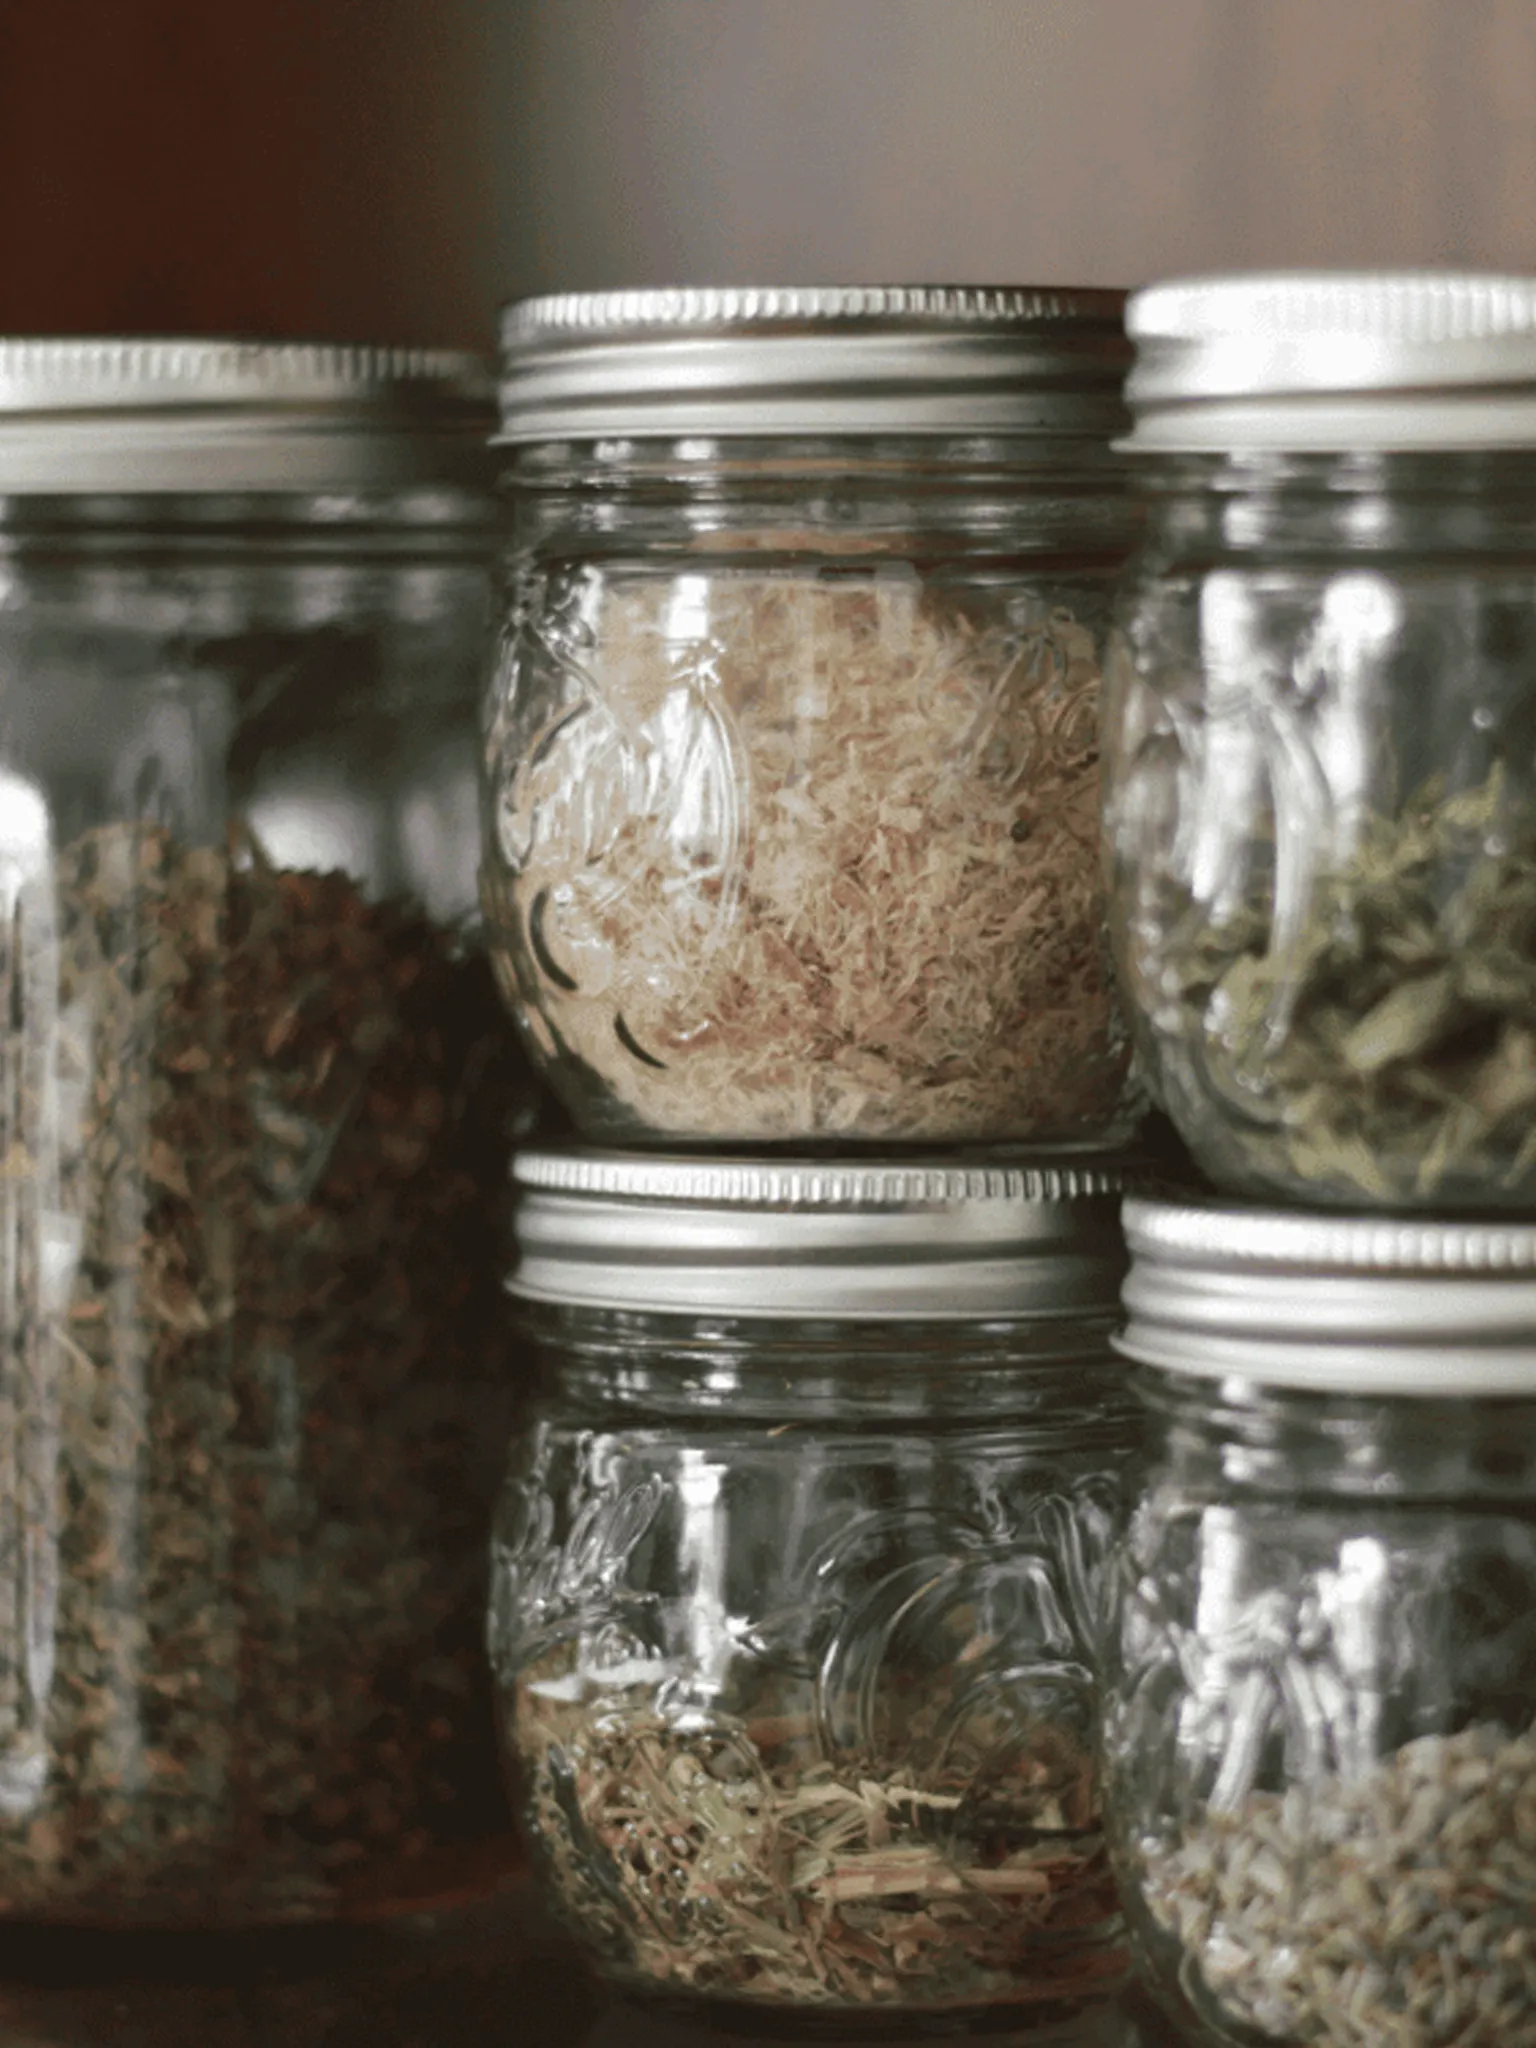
(207, 165)
(394, 167)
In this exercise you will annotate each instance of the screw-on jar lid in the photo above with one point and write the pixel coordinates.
(827, 359)
(128, 416)
(1318, 360)
(1340, 1304)
(894, 1240)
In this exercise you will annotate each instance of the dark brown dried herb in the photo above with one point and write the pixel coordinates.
(254, 1401)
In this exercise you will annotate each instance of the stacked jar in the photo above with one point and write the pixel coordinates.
(792, 877)
(254, 1117)
(1321, 830)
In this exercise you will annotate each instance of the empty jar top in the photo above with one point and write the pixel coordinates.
(895, 1241)
(1335, 1304)
(128, 416)
(1319, 360)
(812, 360)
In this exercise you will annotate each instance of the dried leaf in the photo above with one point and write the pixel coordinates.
(831, 1883)
(1388, 1052)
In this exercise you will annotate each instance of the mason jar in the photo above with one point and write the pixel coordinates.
(1320, 1684)
(792, 752)
(796, 1581)
(254, 1118)
(1320, 776)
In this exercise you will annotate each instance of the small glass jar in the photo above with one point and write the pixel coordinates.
(1320, 785)
(254, 1123)
(792, 762)
(1320, 1688)
(796, 1582)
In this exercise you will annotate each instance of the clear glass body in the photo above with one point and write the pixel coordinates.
(254, 1111)
(792, 789)
(794, 1627)
(1321, 822)
(1320, 1692)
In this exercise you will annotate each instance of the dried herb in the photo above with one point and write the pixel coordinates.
(254, 1397)
(727, 1856)
(1384, 1047)
(1394, 1910)
(797, 857)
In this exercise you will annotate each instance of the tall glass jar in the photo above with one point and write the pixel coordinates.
(796, 1582)
(1320, 1688)
(792, 761)
(1320, 780)
(254, 1111)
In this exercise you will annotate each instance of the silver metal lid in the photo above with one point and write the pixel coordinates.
(1318, 360)
(827, 359)
(127, 416)
(888, 1241)
(1342, 1304)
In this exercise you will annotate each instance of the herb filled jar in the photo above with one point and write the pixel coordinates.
(796, 1582)
(792, 754)
(1320, 775)
(254, 1112)
(1320, 1685)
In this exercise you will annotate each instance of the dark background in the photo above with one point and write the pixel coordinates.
(391, 169)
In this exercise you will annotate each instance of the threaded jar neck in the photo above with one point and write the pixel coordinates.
(1034, 1373)
(850, 497)
(1369, 505)
(1238, 1438)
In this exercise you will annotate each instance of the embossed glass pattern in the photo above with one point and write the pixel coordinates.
(253, 1123)
(795, 1628)
(792, 787)
(1320, 1696)
(1321, 821)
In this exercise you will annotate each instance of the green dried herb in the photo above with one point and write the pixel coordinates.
(252, 1144)
(728, 1856)
(1386, 1050)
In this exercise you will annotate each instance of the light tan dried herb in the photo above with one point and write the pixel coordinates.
(726, 1856)
(1395, 1910)
(800, 857)
(1386, 1051)
(253, 1146)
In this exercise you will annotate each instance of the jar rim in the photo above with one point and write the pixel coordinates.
(824, 359)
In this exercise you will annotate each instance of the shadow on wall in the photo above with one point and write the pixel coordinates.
(1091, 141)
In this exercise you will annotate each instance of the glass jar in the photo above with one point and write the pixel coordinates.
(792, 761)
(1320, 785)
(1320, 1687)
(796, 1582)
(254, 1117)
